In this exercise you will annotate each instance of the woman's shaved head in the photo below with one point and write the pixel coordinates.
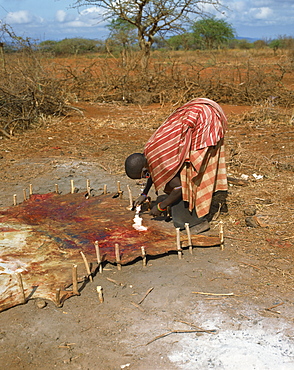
(134, 165)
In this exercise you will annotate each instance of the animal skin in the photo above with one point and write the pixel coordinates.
(43, 237)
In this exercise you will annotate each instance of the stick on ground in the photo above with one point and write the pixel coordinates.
(87, 266)
(75, 288)
(176, 332)
(187, 227)
(148, 291)
(144, 256)
(98, 256)
(179, 243)
(214, 294)
(100, 293)
(117, 256)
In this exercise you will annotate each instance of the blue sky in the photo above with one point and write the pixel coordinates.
(55, 20)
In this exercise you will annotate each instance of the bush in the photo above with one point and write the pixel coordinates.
(27, 92)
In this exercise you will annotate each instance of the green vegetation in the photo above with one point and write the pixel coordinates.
(72, 46)
(212, 32)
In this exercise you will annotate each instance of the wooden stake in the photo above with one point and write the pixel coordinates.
(87, 266)
(120, 193)
(72, 187)
(144, 256)
(57, 297)
(105, 189)
(14, 200)
(130, 198)
(56, 189)
(221, 235)
(98, 256)
(24, 194)
(179, 243)
(88, 187)
(20, 284)
(117, 256)
(100, 293)
(75, 288)
(31, 189)
(189, 238)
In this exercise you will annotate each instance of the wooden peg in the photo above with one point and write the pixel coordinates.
(14, 200)
(75, 288)
(31, 189)
(119, 191)
(72, 187)
(105, 189)
(187, 227)
(179, 243)
(24, 194)
(20, 284)
(56, 189)
(117, 256)
(87, 266)
(221, 235)
(100, 293)
(130, 198)
(144, 256)
(98, 256)
(88, 187)
(57, 297)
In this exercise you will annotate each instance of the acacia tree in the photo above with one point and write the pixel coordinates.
(151, 17)
(214, 32)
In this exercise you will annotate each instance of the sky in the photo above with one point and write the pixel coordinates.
(55, 19)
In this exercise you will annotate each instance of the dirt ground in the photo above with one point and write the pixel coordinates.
(247, 319)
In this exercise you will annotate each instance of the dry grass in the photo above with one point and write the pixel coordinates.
(34, 87)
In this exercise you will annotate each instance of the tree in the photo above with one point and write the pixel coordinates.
(214, 32)
(123, 32)
(151, 17)
(275, 45)
(185, 41)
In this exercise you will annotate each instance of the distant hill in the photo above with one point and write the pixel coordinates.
(249, 39)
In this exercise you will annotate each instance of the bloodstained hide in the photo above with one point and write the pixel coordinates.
(42, 238)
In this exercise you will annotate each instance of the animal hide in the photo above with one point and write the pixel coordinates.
(42, 238)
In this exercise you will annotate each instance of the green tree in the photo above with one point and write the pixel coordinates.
(151, 17)
(74, 46)
(122, 32)
(275, 45)
(259, 44)
(214, 32)
(185, 41)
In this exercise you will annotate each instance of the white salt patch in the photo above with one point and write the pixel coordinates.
(255, 345)
(138, 220)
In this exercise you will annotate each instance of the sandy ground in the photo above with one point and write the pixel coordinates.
(247, 323)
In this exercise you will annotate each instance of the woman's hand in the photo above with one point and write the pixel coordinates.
(156, 211)
(140, 200)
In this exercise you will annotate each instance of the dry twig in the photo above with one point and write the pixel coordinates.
(148, 291)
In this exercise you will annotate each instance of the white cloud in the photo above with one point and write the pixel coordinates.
(62, 16)
(261, 13)
(22, 17)
(92, 12)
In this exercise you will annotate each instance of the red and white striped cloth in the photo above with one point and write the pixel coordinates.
(190, 141)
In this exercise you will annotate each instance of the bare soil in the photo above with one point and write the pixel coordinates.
(246, 320)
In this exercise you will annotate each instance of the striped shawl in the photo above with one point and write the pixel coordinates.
(190, 141)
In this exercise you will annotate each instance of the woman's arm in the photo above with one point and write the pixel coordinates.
(174, 188)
